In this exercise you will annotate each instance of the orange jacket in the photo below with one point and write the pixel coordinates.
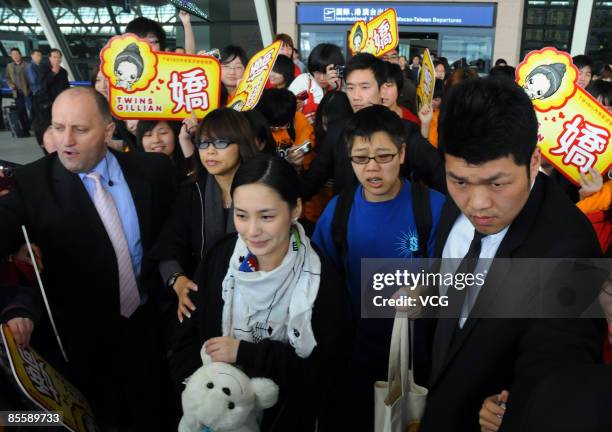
(304, 131)
(433, 129)
(599, 201)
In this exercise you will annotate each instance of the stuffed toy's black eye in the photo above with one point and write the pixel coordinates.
(210, 385)
(231, 405)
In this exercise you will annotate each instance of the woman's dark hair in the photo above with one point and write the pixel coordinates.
(503, 71)
(333, 107)
(376, 118)
(226, 123)
(322, 56)
(142, 26)
(438, 89)
(394, 75)
(230, 52)
(284, 66)
(278, 106)
(273, 172)
(486, 119)
(582, 60)
(601, 88)
(261, 130)
(459, 75)
(363, 61)
(145, 126)
(286, 39)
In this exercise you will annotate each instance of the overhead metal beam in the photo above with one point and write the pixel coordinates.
(113, 17)
(22, 20)
(54, 36)
(76, 14)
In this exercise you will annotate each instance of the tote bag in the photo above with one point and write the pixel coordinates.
(399, 403)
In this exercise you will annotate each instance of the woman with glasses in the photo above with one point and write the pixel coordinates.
(233, 62)
(273, 305)
(202, 212)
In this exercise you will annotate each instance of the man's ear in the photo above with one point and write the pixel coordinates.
(534, 163)
(109, 131)
(402, 153)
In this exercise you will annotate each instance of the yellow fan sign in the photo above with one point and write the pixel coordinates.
(148, 85)
(427, 82)
(377, 37)
(255, 77)
(47, 388)
(574, 129)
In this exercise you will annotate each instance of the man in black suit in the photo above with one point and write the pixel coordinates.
(95, 214)
(502, 208)
(365, 75)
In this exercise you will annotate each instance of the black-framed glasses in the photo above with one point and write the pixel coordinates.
(218, 143)
(381, 158)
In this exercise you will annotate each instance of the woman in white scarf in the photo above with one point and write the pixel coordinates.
(273, 276)
(269, 303)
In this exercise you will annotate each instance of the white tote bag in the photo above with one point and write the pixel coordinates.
(399, 403)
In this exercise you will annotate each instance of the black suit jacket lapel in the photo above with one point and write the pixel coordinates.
(75, 202)
(514, 238)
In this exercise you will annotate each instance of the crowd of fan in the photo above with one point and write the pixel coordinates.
(329, 139)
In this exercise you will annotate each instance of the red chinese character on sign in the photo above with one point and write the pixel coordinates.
(382, 36)
(188, 90)
(581, 142)
(260, 65)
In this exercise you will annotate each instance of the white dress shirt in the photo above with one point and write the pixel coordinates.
(456, 246)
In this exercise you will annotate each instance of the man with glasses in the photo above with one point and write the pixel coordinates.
(382, 222)
(392, 57)
(365, 76)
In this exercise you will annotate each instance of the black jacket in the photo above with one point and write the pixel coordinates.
(422, 161)
(52, 84)
(490, 355)
(308, 387)
(117, 363)
(182, 238)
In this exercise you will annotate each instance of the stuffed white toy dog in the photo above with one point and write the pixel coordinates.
(219, 397)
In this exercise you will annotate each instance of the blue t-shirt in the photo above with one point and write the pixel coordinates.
(375, 230)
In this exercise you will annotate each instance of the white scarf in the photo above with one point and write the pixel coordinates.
(274, 305)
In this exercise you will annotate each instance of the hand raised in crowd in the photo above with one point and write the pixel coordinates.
(185, 17)
(299, 105)
(131, 125)
(333, 80)
(222, 349)
(187, 133)
(590, 186)
(295, 156)
(24, 256)
(3, 191)
(22, 329)
(181, 287)
(492, 412)
(425, 116)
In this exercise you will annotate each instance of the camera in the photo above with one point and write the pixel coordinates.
(304, 148)
(340, 70)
